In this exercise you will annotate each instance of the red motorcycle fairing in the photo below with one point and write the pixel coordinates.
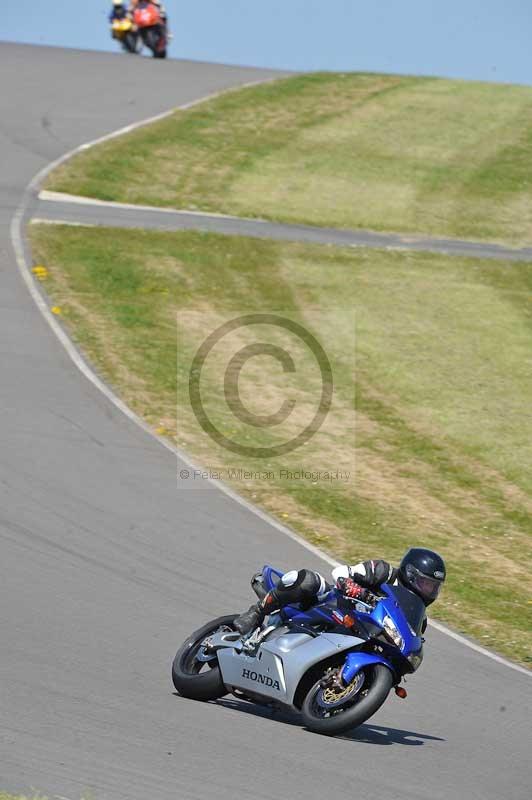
(147, 16)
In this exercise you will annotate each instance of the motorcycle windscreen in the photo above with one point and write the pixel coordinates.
(411, 605)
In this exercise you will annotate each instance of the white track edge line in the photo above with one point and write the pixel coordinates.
(17, 239)
(44, 221)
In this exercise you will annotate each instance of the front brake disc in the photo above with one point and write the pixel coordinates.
(335, 694)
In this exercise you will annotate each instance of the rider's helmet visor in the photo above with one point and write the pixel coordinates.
(428, 588)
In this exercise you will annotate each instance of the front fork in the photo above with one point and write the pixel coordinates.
(357, 660)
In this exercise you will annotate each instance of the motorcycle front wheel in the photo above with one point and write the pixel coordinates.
(332, 710)
(151, 39)
(195, 674)
(130, 43)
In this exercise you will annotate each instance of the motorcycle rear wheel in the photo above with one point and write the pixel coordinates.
(186, 668)
(340, 718)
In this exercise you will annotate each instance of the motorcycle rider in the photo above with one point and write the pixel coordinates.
(118, 11)
(157, 3)
(421, 570)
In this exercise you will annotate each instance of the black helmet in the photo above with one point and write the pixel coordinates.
(422, 571)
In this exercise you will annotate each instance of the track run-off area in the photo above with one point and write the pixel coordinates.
(54, 207)
(106, 566)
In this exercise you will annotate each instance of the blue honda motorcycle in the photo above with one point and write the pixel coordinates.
(335, 662)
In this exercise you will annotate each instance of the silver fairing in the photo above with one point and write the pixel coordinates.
(280, 662)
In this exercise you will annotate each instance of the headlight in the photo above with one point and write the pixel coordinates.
(390, 629)
(415, 659)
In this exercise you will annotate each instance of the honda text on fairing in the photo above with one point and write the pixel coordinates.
(335, 663)
(151, 27)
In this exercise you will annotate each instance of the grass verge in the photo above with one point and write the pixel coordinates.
(442, 445)
(383, 152)
(6, 796)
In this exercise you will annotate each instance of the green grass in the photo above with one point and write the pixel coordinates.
(389, 153)
(6, 796)
(439, 440)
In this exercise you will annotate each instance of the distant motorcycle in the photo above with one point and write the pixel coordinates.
(126, 32)
(151, 28)
(335, 663)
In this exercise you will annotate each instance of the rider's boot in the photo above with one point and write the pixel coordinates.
(250, 619)
(255, 615)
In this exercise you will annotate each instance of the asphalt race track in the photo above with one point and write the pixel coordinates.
(106, 566)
